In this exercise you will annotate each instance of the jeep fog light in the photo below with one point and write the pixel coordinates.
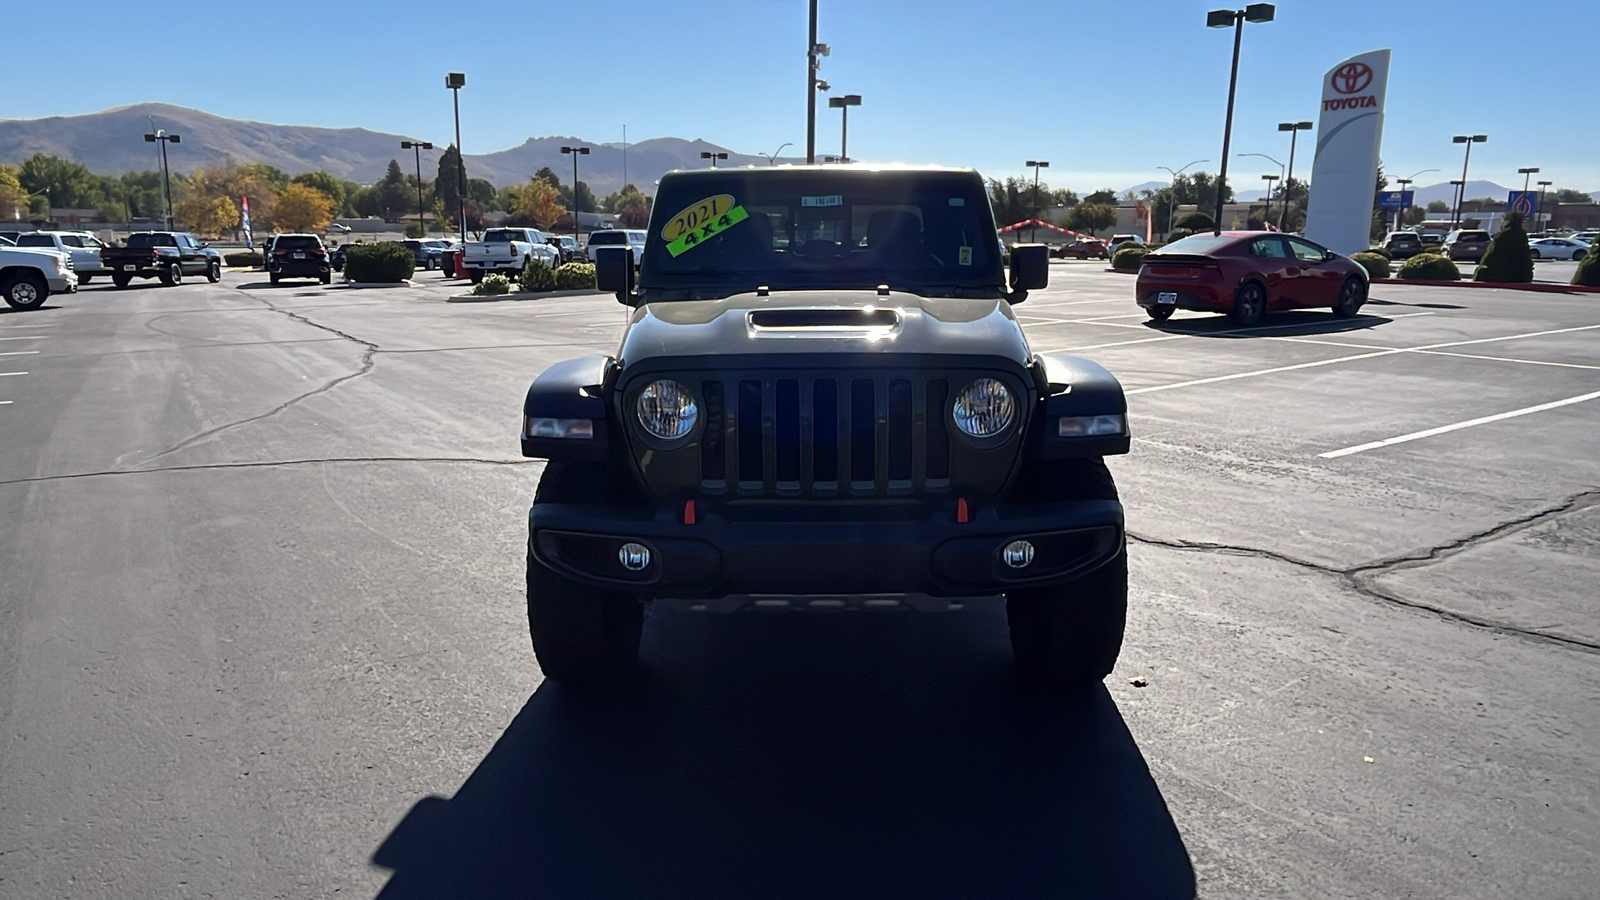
(1085, 426)
(667, 410)
(541, 427)
(984, 408)
(1017, 554)
(633, 557)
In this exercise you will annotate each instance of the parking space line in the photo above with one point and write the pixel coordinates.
(1530, 362)
(24, 337)
(20, 353)
(1445, 429)
(5, 402)
(4, 374)
(14, 327)
(1148, 340)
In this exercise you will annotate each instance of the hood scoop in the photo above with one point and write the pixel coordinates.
(829, 319)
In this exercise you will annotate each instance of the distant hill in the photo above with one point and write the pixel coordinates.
(1445, 192)
(112, 142)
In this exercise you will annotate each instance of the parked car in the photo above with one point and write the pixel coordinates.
(10, 236)
(1559, 248)
(1588, 237)
(7, 242)
(426, 253)
(568, 247)
(1118, 240)
(508, 250)
(617, 237)
(1402, 244)
(298, 256)
(84, 248)
(1465, 243)
(1431, 243)
(851, 419)
(1082, 250)
(1248, 274)
(28, 275)
(167, 255)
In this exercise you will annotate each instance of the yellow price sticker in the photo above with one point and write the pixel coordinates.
(696, 214)
(707, 230)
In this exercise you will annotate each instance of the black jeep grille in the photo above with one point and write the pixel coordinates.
(841, 435)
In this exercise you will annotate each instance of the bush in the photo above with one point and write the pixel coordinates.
(1197, 221)
(242, 259)
(1178, 234)
(1430, 267)
(1588, 273)
(386, 263)
(1128, 257)
(574, 276)
(1380, 252)
(1508, 259)
(1376, 264)
(536, 276)
(416, 230)
(492, 285)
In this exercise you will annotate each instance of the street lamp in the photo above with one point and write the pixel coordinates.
(1172, 203)
(1458, 194)
(1469, 140)
(1404, 203)
(1222, 18)
(814, 54)
(455, 81)
(1269, 159)
(1266, 215)
(1037, 165)
(1294, 129)
(166, 177)
(417, 147)
(707, 154)
(772, 158)
(1525, 173)
(575, 152)
(843, 104)
(1538, 211)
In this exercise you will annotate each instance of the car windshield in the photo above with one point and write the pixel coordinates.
(603, 238)
(927, 232)
(296, 242)
(146, 240)
(1196, 245)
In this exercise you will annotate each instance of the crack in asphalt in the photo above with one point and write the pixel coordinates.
(1362, 578)
(274, 464)
(368, 359)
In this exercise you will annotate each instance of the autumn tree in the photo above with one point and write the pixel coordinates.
(631, 206)
(197, 201)
(213, 217)
(13, 199)
(302, 208)
(537, 202)
(329, 184)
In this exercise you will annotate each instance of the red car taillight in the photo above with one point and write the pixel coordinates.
(154, 253)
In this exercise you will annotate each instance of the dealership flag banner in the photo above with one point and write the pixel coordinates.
(244, 221)
(1344, 174)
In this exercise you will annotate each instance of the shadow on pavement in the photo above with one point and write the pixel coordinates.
(1296, 323)
(777, 755)
(1420, 305)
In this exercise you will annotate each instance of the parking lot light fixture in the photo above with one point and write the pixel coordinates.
(1469, 140)
(1294, 129)
(1222, 18)
(713, 156)
(455, 81)
(1404, 204)
(1266, 215)
(575, 152)
(1037, 164)
(843, 104)
(1458, 193)
(163, 138)
(1172, 203)
(772, 158)
(1538, 211)
(417, 147)
(1525, 173)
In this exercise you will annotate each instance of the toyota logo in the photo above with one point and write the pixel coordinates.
(1352, 77)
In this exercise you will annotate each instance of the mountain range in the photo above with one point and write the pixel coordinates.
(112, 142)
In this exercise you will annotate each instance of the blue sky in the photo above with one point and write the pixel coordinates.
(1106, 91)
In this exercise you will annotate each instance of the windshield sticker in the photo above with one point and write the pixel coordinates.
(690, 239)
(964, 256)
(695, 215)
(830, 200)
(958, 201)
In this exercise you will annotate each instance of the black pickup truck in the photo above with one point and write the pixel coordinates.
(824, 401)
(167, 255)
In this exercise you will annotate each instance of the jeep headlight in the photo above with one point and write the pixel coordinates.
(666, 410)
(984, 408)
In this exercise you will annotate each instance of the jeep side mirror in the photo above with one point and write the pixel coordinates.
(613, 272)
(1030, 269)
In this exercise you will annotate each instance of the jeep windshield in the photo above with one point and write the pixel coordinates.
(714, 234)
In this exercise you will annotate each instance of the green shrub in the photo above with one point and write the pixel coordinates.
(536, 276)
(416, 230)
(1376, 264)
(1128, 257)
(492, 285)
(242, 258)
(574, 276)
(1380, 252)
(1430, 267)
(1178, 234)
(1197, 221)
(1588, 273)
(1508, 259)
(386, 263)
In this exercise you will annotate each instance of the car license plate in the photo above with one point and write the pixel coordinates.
(299, 254)
(1167, 297)
(130, 268)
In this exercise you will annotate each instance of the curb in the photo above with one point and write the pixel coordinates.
(525, 295)
(1538, 287)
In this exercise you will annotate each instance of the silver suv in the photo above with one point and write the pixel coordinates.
(1465, 244)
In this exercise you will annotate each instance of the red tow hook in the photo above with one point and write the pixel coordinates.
(688, 512)
(961, 510)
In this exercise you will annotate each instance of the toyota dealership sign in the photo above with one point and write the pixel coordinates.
(1344, 174)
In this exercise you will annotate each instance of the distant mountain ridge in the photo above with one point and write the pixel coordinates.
(112, 142)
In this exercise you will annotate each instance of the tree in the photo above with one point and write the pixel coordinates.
(547, 174)
(1103, 196)
(396, 195)
(1508, 258)
(537, 202)
(196, 203)
(1438, 206)
(69, 185)
(1012, 200)
(1588, 273)
(481, 193)
(583, 200)
(301, 207)
(329, 184)
(635, 216)
(1197, 221)
(141, 192)
(1091, 217)
(13, 198)
(446, 187)
(273, 177)
(214, 217)
(1566, 195)
(1063, 197)
(622, 199)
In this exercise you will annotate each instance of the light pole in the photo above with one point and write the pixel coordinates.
(843, 104)
(455, 81)
(576, 152)
(1269, 159)
(1222, 18)
(1172, 203)
(166, 177)
(1469, 140)
(1538, 211)
(772, 158)
(417, 147)
(1037, 165)
(1266, 215)
(1458, 193)
(814, 52)
(1525, 173)
(1294, 129)
(1405, 204)
(707, 154)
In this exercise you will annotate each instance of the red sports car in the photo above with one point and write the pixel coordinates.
(1247, 274)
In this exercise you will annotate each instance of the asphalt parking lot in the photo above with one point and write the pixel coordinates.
(262, 634)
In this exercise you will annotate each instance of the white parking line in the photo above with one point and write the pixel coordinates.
(1530, 362)
(13, 327)
(1444, 429)
(24, 337)
(4, 374)
(20, 353)
(5, 402)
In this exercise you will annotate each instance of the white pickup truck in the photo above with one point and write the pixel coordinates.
(507, 250)
(28, 276)
(83, 247)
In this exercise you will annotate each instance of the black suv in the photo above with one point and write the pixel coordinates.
(298, 256)
(823, 400)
